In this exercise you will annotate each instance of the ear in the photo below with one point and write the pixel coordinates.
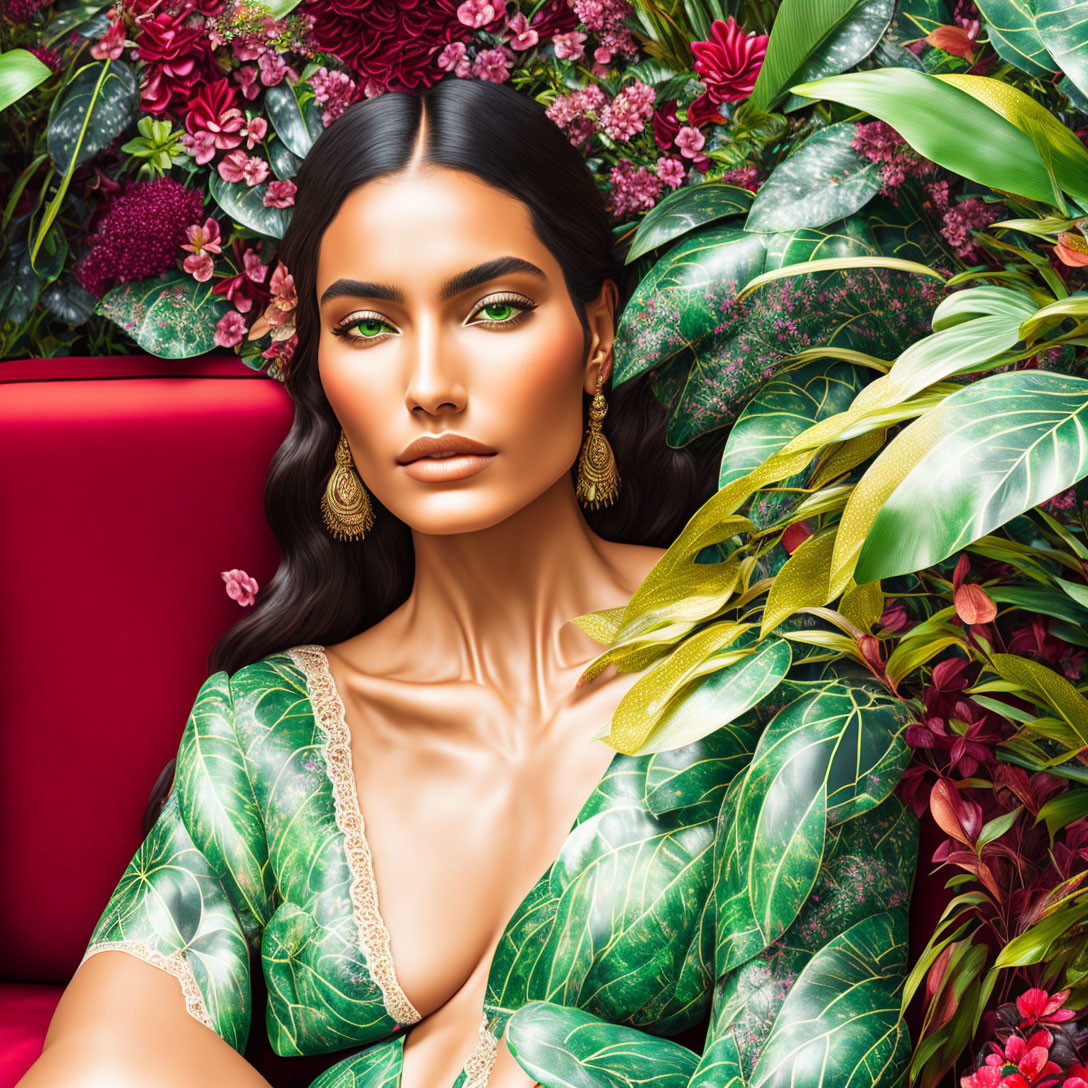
(601, 316)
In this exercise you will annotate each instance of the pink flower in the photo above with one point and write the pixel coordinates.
(477, 13)
(274, 69)
(279, 316)
(203, 237)
(522, 35)
(1038, 1007)
(256, 130)
(280, 194)
(334, 90)
(246, 77)
(628, 112)
(255, 171)
(252, 265)
(451, 56)
(569, 46)
(229, 330)
(747, 177)
(240, 586)
(633, 190)
(232, 167)
(671, 171)
(200, 266)
(491, 65)
(690, 141)
(112, 44)
(213, 111)
(730, 60)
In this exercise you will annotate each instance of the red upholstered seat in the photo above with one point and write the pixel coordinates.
(126, 485)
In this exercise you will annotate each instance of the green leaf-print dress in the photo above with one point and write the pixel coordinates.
(260, 851)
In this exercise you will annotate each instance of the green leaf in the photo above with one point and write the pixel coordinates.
(782, 409)
(245, 206)
(814, 37)
(823, 180)
(98, 104)
(1041, 37)
(172, 316)
(944, 124)
(685, 210)
(296, 127)
(566, 1047)
(20, 73)
(993, 450)
(1047, 687)
(720, 697)
(839, 1026)
(284, 163)
(803, 581)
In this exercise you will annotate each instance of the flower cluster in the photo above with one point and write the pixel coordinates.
(879, 142)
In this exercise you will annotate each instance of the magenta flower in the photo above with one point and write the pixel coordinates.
(203, 237)
(633, 190)
(1038, 1007)
(477, 13)
(280, 194)
(214, 112)
(451, 56)
(522, 35)
(252, 265)
(240, 586)
(730, 60)
(256, 130)
(229, 330)
(274, 69)
(671, 171)
(200, 266)
(246, 78)
(628, 112)
(569, 46)
(232, 167)
(690, 141)
(255, 171)
(491, 65)
(334, 90)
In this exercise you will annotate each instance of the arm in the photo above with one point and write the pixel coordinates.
(167, 967)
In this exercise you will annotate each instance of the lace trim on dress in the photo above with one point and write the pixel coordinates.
(329, 714)
(477, 1068)
(175, 964)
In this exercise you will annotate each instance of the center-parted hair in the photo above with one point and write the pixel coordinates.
(325, 591)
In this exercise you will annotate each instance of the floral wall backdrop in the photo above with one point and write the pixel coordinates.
(858, 232)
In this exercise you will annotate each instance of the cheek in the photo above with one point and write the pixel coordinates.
(354, 392)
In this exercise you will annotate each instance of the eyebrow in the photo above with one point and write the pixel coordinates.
(462, 281)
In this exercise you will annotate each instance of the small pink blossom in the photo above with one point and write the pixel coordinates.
(569, 46)
(229, 330)
(240, 586)
(233, 165)
(334, 89)
(256, 130)
(200, 146)
(274, 69)
(522, 35)
(280, 194)
(671, 171)
(203, 237)
(255, 170)
(451, 56)
(246, 78)
(246, 48)
(477, 13)
(491, 66)
(112, 44)
(200, 266)
(252, 265)
(690, 141)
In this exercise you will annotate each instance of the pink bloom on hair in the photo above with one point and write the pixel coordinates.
(200, 266)
(255, 171)
(569, 46)
(690, 141)
(451, 56)
(240, 586)
(256, 130)
(522, 35)
(230, 329)
(232, 167)
(280, 194)
(491, 66)
(477, 13)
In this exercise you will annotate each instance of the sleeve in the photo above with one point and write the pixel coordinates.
(193, 901)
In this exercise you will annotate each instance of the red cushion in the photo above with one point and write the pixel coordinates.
(25, 1012)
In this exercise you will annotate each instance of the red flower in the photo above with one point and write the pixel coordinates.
(214, 110)
(702, 110)
(795, 535)
(665, 123)
(730, 60)
(178, 58)
(1038, 1007)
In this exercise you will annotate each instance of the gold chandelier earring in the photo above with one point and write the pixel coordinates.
(345, 505)
(598, 477)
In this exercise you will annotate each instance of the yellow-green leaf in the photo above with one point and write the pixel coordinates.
(802, 581)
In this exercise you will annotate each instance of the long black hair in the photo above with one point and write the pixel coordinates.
(326, 591)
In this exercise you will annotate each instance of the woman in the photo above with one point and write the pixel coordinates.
(389, 791)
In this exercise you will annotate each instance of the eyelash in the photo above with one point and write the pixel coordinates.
(343, 327)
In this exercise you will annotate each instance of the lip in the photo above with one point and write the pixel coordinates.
(440, 469)
(443, 443)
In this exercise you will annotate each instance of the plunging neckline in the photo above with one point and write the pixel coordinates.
(330, 714)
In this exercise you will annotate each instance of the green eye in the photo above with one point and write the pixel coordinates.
(498, 311)
(503, 311)
(369, 327)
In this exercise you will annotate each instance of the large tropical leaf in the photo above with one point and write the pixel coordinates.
(991, 451)
(245, 205)
(812, 38)
(565, 1047)
(20, 73)
(824, 179)
(171, 316)
(946, 124)
(685, 210)
(829, 755)
(1041, 37)
(296, 125)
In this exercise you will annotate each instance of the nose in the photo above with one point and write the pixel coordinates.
(433, 378)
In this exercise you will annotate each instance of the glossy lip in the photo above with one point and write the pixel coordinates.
(443, 443)
(441, 469)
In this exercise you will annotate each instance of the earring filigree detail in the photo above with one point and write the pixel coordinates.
(598, 476)
(345, 506)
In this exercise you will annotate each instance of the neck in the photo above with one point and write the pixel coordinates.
(495, 604)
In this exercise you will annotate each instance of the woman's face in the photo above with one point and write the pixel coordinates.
(442, 313)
